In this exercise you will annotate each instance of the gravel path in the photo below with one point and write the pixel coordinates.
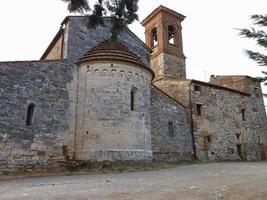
(215, 181)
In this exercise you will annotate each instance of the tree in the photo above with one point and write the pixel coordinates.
(260, 36)
(122, 12)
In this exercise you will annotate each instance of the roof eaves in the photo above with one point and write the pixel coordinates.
(219, 87)
(33, 61)
(162, 8)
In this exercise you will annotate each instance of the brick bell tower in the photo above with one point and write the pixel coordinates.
(163, 32)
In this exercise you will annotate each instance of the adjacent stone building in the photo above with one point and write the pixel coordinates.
(90, 98)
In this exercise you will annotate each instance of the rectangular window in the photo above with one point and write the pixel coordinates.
(257, 92)
(199, 109)
(171, 132)
(197, 88)
(208, 138)
(243, 112)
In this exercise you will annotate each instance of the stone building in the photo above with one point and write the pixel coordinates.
(93, 99)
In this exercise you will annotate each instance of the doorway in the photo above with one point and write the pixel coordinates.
(262, 152)
(239, 151)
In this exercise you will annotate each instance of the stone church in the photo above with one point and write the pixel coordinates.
(93, 99)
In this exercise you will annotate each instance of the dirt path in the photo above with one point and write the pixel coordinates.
(213, 181)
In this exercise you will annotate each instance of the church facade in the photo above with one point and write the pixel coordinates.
(90, 98)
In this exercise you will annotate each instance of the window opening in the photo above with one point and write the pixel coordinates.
(171, 132)
(171, 34)
(199, 109)
(134, 99)
(30, 111)
(243, 111)
(154, 37)
(257, 92)
(208, 138)
(197, 88)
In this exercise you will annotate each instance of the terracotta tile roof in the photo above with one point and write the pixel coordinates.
(109, 50)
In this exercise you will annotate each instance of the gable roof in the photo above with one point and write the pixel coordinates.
(52, 43)
(66, 20)
(219, 87)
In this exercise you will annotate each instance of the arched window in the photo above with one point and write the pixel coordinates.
(171, 132)
(171, 32)
(134, 94)
(30, 111)
(154, 37)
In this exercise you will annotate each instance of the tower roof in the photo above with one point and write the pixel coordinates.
(162, 8)
(109, 50)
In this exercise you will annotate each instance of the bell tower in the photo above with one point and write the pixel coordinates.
(163, 32)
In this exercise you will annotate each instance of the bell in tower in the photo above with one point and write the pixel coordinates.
(163, 32)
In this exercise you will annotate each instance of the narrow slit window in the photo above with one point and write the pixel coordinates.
(133, 99)
(171, 132)
(199, 109)
(154, 37)
(30, 111)
(171, 34)
(243, 112)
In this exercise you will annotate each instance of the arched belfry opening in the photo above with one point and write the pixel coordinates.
(171, 32)
(30, 112)
(163, 30)
(154, 37)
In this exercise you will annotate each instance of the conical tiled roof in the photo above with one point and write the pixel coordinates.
(112, 51)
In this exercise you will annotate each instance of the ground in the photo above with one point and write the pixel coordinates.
(214, 181)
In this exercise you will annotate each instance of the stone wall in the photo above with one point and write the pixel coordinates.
(221, 131)
(168, 66)
(177, 89)
(41, 144)
(81, 39)
(240, 83)
(170, 128)
(107, 128)
(52, 88)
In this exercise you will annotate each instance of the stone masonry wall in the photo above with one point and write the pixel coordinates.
(42, 144)
(220, 130)
(258, 117)
(78, 39)
(107, 129)
(168, 66)
(179, 90)
(240, 83)
(81, 39)
(169, 142)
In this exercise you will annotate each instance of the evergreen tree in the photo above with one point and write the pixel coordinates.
(79, 6)
(122, 12)
(260, 36)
